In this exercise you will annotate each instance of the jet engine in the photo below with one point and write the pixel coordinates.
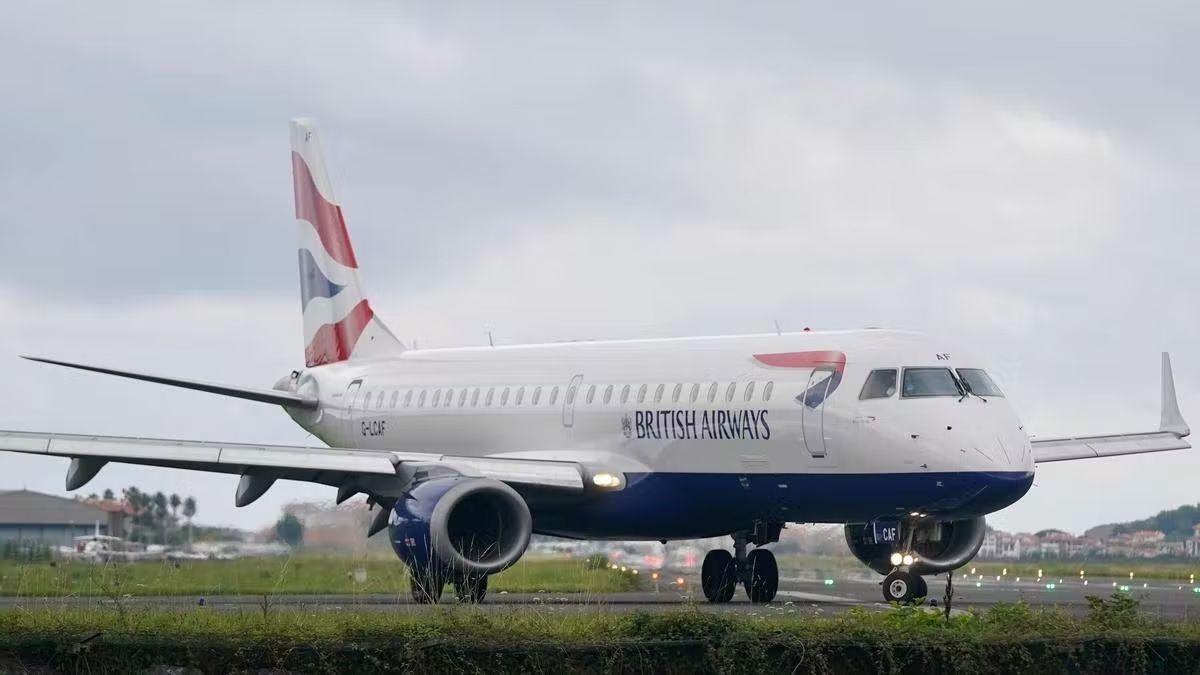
(460, 525)
(937, 546)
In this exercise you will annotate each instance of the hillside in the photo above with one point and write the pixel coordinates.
(1175, 523)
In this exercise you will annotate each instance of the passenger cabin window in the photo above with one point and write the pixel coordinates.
(642, 394)
(921, 382)
(767, 391)
(880, 384)
(520, 395)
(537, 395)
(591, 395)
(978, 382)
(475, 397)
(437, 397)
(462, 398)
(695, 392)
(421, 399)
(408, 398)
(624, 394)
(554, 396)
(730, 392)
(675, 394)
(504, 397)
(712, 392)
(608, 394)
(491, 395)
(658, 392)
(449, 397)
(749, 392)
(395, 397)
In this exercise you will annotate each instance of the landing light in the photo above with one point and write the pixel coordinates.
(679, 581)
(908, 559)
(897, 558)
(606, 480)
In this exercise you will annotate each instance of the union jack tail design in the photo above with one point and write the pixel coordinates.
(338, 321)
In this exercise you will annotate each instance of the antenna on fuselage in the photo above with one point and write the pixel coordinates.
(491, 343)
(778, 330)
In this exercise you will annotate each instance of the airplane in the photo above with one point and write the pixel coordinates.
(464, 453)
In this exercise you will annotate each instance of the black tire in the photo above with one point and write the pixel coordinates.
(471, 589)
(718, 576)
(901, 586)
(762, 580)
(922, 590)
(426, 586)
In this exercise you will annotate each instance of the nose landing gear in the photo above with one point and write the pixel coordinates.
(904, 587)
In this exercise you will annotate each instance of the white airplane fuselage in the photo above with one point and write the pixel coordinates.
(710, 433)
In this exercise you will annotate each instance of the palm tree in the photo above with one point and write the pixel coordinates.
(160, 514)
(189, 510)
(174, 501)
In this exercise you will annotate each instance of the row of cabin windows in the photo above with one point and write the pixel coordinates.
(594, 393)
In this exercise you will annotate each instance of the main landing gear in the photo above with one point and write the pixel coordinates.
(757, 570)
(426, 586)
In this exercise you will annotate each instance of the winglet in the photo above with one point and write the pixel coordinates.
(1172, 419)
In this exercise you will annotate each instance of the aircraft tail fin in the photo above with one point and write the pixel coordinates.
(339, 323)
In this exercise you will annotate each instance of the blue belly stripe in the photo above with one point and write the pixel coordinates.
(694, 505)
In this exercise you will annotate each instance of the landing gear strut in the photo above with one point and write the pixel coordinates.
(757, 570)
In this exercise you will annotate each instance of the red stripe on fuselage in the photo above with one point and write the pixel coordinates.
(803, 359)
(312, 206)
(335, 341)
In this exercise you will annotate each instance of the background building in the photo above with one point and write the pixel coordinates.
(32, 517)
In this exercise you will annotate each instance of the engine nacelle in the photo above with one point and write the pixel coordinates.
(937, 546)
(462, 525)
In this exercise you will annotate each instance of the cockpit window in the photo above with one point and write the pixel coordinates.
(929, 382)
(880, 384)
(978, 382)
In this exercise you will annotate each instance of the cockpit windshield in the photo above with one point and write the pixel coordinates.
(978, 382)
(920, 382)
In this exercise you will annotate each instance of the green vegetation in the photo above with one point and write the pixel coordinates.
(1113, 637)
(1176, 523)
(1142, 570)
(299, 574)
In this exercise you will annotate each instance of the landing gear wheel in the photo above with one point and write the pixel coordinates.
(922, 590)
(718, 576)
(426, 586)
(762, 580)
(471, 589)
(903, 587)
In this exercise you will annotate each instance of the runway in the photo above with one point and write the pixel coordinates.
(798, 595)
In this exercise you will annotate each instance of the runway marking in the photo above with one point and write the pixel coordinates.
(816, 597)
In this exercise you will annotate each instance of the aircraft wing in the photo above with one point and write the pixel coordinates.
(1170, 434)
(379, 472)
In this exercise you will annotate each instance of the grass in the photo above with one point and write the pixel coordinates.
(299, 574)
(1113, 636)
(1170, 571)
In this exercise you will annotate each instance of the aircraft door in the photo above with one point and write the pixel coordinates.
(352, 392)
(812, 410)
(569, 401)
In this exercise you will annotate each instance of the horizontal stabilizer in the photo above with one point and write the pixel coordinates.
(262, 395)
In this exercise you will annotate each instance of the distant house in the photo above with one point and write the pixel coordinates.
(34, 517)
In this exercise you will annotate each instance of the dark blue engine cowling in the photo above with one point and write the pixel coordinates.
(459, 524)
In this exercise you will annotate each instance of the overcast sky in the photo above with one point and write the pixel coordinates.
(1019, 179)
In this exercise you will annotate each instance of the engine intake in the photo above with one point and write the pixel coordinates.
(937, 546)
(463, 525)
